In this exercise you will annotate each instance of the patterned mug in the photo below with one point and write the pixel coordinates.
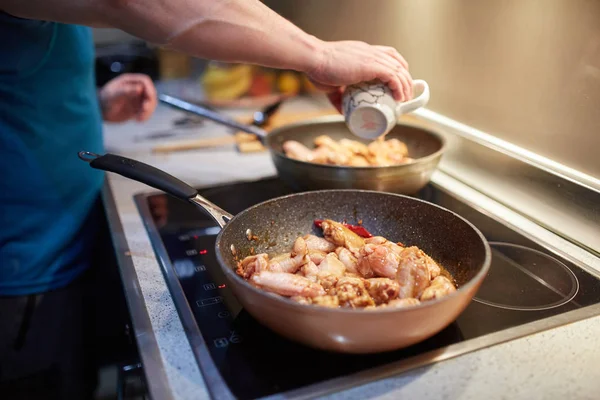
(371, 111)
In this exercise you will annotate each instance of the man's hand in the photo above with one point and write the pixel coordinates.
(128, 96)
(348, 62)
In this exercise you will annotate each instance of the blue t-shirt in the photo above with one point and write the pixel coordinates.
(49, 111)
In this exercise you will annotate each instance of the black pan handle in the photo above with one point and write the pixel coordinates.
(140, 172)
(156, 178)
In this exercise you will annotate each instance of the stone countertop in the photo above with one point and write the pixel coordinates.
(558, 363)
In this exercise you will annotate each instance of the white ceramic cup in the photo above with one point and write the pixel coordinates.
(371, 111)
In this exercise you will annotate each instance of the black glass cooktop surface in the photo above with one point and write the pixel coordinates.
(242, 359)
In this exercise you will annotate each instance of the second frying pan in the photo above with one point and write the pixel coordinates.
(425, 146)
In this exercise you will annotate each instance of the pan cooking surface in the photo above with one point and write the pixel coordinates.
(525, 284)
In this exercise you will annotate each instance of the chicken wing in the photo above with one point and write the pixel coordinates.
(377, 260)
(317, 243)
(287, 284)
(382, 290)
(291, 262)
(297, 150)
(351, 292)
(413, 275)
(348, 259)
(342, 236)
(439, 287)
(252, 264)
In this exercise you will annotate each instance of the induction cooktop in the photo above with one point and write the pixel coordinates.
(528, 289)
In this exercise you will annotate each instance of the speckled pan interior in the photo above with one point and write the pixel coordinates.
(445, 236)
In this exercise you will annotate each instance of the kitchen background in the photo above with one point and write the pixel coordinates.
(526, 71)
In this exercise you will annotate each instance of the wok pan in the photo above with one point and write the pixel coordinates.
(451, 240)
(425, 146)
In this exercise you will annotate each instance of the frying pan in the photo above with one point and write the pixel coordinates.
(451, 240)
(425, 146)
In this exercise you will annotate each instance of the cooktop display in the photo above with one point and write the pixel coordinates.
(242, 359)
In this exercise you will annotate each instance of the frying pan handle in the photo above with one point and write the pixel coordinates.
(156, 178)
(212, 115)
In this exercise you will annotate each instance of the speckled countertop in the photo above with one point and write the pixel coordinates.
(558, 363)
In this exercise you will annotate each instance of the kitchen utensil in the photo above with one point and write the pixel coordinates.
(261, 118)
(425, 147)
(450, 239)
(371, 111)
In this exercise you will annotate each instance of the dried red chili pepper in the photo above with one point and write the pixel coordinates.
(359, 230)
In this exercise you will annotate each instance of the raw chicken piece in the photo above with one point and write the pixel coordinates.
(300, 299)
(358, 161)
(252, 264)
(377, 260)
(397, 249)
(404, 302)
(310, 271)
(413, 274)
(322, 155)
(317, 243)
(382, 290)
(291, 262)
(297, 150)
(354, 146)
(325, 301)
(349, 152)
(439, 287)
(348, 259)
(387, 152)
(351, 292)
(432, 266)
(330, 270)
(332, 265)
(342, 236)
(337, 154)
(286, 284)
(316, 256)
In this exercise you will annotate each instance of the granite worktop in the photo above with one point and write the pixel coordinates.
(557, 363)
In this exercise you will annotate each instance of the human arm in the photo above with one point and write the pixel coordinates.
(232, 31)
(128, 96)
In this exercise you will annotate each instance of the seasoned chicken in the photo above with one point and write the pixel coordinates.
(354, 146)
(317, 243)
(332, 265)
(290, 262)
(347, 268)
(387, 152)
(377, 260)
(404, 302)
(413, 275)
(330, 270)
(351, 292)
(310, 271)
(297, 150)
(316, 256)
(286, 284)
(325, 301)
(342, 236)
(358, 161)
(348, 152)
(252, 264)
(348, 259)
(439, 287)
(384, 242)
(382, 290)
